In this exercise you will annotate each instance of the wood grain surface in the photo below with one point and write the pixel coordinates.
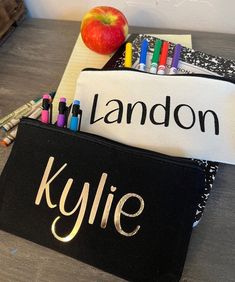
(32, 61)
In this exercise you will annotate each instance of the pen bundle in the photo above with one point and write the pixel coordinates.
(68, 116)
(158, 59)
(189, 60)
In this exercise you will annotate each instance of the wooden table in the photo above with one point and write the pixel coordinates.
(32, 61)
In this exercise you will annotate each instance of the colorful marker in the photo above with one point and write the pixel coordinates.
(128, 55)
(67, 114)
(163, 58)
(46, 101)
(76, 116)
(143, 55)
(26, 107)
(10, 137)
(14, 121)
(62, 112)
(175, 59)
(156, 54)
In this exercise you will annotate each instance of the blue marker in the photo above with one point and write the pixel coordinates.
(143, 55)
(76, 115)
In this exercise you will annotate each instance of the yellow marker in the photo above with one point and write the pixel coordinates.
(128, 55)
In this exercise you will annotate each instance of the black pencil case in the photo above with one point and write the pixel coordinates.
(122, 209)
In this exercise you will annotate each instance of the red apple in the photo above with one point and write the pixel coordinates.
(104, 29)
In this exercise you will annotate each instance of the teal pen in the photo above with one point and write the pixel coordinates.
(76, 116)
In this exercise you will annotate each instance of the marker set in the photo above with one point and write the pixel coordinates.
(68, 116)
(159, 57)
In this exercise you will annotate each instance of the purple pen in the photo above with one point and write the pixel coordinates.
(62, 110)
(175, 59)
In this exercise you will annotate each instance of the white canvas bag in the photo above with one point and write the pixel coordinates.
(180, 115)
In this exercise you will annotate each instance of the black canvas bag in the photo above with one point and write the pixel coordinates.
(125, 210)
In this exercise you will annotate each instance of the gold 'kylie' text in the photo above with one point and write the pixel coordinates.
(81, 205)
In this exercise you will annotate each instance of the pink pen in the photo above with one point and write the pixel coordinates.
(45, 116)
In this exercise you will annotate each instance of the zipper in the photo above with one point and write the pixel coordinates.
(111, 143)
(209, 76)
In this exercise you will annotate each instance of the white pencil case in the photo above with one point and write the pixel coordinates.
(179, 115)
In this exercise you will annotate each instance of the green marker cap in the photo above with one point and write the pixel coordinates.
(157, 50)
